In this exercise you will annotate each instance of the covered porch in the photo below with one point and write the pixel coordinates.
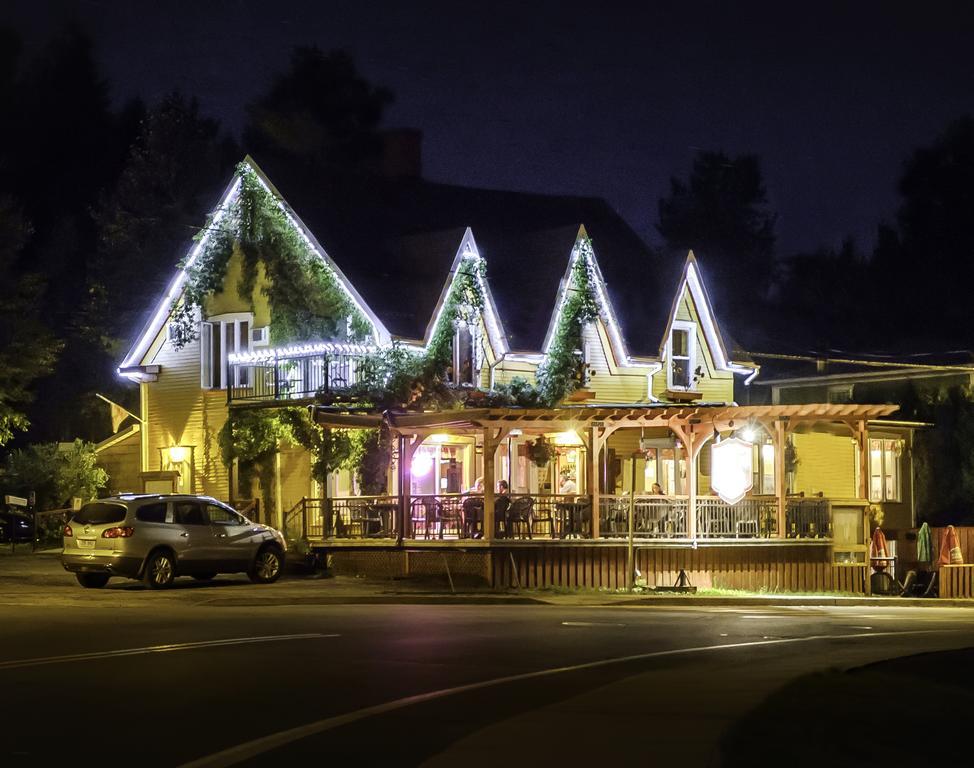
(603, 476)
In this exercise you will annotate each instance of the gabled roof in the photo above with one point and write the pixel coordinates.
(691, 280)
(396, 242)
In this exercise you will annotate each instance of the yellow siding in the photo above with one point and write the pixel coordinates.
(826, 463)
(610, 383)
(230, 300)
(295, 475)
(121, 462)
(181, 413)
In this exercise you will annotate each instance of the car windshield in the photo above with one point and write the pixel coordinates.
(98, 513)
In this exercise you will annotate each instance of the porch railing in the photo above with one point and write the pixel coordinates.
(655, 517)
(753, 517)
(555, 516)
(353, 517)
(808, 518)
(293, 378)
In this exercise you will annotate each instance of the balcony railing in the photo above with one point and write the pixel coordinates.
(294, 373)
(443, 517)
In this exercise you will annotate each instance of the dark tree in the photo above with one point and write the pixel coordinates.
(320, 115)
(722, 214)
(928, 259)
(812, 308)
(27, 348)
(174, 171)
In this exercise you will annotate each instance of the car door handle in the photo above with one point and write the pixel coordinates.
(185, 534)
(221, 535)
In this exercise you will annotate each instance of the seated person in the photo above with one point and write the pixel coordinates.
(502, 505)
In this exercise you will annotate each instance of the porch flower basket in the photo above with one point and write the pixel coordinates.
(541, 451)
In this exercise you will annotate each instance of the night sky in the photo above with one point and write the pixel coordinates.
(589, 98)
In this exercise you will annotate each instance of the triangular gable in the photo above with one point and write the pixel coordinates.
(162, 311)
(495, 329)
(606, 311)
(692, 281)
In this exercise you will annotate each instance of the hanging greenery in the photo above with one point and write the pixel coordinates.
(371, 458)
(251, 438)
(464, 302)
(562, 371)
(306, 300)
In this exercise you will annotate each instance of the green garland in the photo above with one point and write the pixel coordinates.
(306, 300)
(562, 372)
(464, 301)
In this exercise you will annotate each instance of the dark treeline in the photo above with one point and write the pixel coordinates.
(98, 203)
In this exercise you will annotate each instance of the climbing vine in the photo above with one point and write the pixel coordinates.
(562, 371)
(464, 302)
(306, 299)
(251, 438)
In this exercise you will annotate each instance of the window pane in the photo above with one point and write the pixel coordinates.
(216, 359)
(206, 358)
(188, 513)
(99, 513)
(681, 343)
(243, 373)
(681, 373)
(465, 356)
(221, 516)
(152, 513)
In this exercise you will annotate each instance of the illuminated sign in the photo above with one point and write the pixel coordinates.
(731, 469)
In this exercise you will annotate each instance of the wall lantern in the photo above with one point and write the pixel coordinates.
(178, 454)
(731, 467)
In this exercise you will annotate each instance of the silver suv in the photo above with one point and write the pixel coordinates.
(156, 538)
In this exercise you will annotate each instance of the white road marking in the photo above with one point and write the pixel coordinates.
(770, 616)
(259, 746)
(18, 663)
(589, 624)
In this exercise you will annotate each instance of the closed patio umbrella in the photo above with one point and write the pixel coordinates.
(950, 553)
(924, 545)
(878, 546)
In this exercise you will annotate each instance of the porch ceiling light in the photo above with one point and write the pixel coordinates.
(748, 434)
(568, 437)
(178, 454)
(439, 437)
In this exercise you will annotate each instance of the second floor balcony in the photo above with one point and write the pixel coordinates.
(295, 373)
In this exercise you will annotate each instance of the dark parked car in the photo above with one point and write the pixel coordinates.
(16, 527)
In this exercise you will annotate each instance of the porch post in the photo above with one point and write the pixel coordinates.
(780, 491)
(490, 448)
(403, 481)
(691, 482)
(862, 437)
(594, 449)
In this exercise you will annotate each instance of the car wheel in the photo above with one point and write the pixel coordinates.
(92, 580)
(204, 576)
(160, 570)
(267, 566)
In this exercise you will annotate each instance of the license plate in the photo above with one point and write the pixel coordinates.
(86, 543)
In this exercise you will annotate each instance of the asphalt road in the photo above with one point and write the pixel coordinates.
(237, 674)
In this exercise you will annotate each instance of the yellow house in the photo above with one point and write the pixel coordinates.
(641, 455)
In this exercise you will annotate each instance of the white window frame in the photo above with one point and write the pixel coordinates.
(691, 331)
(475, 359)
(891, 465)
(242, 343)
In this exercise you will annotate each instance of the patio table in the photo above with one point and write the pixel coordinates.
(572, 518)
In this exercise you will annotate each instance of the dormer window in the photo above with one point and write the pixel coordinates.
(462, 370)
(682, 355)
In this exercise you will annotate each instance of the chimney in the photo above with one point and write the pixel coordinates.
(402, 153)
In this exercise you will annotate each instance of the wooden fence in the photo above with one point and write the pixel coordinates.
(768, 569)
